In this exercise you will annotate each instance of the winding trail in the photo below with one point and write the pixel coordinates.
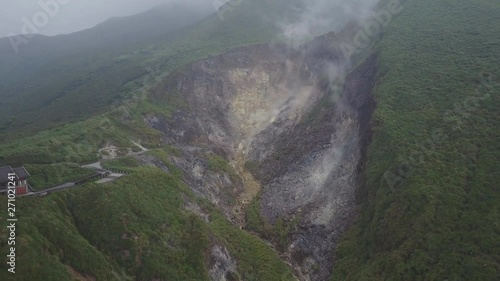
(111, 176)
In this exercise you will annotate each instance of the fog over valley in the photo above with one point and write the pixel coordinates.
(66, 16)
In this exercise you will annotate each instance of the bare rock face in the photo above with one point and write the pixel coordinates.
(293, 117)
(222, 266)
(312, 171)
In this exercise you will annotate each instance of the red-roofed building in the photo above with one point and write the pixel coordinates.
(20, 179)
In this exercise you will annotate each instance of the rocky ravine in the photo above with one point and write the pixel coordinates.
(291, 117)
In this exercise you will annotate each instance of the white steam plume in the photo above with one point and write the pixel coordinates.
(312, 18)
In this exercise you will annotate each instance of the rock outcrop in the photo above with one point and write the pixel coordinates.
(293, 127)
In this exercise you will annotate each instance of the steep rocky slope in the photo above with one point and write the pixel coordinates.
(290, 131)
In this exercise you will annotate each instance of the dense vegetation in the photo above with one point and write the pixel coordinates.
(430, 204)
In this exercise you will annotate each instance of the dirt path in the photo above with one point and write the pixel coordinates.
(110, 151)
(143, 149)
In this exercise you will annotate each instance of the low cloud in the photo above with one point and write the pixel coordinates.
(311, 18)
(75, 15)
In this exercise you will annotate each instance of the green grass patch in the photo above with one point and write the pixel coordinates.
(218, 164)
(279, 232)
(44, 176)
(121, 164)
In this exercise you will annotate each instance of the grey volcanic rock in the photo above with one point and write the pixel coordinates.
(296, 119)
(313, 172)
(222, 265)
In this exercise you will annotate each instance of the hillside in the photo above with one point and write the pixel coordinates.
(257, 161)
(429, 208)
(70, 77)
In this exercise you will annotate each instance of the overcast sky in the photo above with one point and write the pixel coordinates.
(73, 15)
